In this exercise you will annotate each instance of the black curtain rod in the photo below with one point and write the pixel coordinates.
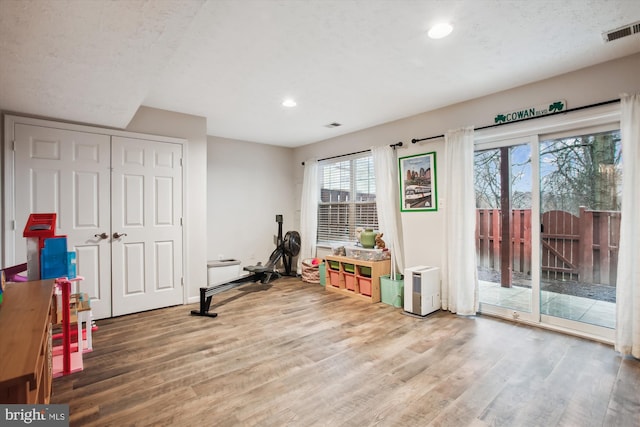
(413, 141)
(599, 104)
(397, 144)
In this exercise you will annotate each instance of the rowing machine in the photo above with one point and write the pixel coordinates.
(206, 295)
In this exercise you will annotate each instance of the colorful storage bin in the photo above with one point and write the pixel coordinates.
(364, 271)
(323, 274)
(392, 291)
(365, 285)
(350, 281)
(334, 278)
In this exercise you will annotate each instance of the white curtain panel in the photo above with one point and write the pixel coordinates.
(459, 275)
(385, 166)
(628, 283)
(309, 212)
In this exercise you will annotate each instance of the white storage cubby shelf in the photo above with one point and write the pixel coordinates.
(355, 277)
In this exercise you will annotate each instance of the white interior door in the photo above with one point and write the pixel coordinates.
(100, 184)
(67, 172)
(146, 225)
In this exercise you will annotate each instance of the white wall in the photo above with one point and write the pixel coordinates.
(248, 184)
(194, 130)
(423, 243)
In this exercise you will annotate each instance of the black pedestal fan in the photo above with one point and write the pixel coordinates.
(286, 249)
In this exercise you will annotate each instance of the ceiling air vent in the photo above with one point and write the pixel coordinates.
(333, 125)
(621, 32)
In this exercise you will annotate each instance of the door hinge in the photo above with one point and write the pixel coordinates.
(180, 161)
(182, 281)
(180, 222)
(13, 224)
(13, 145)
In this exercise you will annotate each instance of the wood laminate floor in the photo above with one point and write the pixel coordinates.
(291, 354)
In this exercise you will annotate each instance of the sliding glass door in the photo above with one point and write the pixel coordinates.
(548, 227)
(580, 198)
(503, 188)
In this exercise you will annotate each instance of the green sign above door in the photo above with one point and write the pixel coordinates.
(526, 113)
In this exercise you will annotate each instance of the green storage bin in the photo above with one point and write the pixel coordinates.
(349, 268)
(334, 265)
(392, 291)
(323, 274)
(364, 271)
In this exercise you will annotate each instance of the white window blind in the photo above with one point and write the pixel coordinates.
(347, 198)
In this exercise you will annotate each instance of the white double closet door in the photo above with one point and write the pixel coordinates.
(119, 202)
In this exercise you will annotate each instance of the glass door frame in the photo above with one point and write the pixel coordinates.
(532, 316)
(532, 132)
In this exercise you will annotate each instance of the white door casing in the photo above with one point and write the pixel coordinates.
(147, 214)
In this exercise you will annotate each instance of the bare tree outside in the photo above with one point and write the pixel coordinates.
(581, 171)
(487, 178)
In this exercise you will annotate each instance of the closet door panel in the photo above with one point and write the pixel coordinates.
(133, 268)
(147, 211)
(44, 191)
(68, 172)
(89, 256)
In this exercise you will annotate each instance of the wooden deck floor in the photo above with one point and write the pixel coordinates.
(291, 354)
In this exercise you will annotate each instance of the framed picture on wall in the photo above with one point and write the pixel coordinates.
(418, 187)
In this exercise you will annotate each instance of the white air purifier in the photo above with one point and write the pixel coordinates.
(421, 290)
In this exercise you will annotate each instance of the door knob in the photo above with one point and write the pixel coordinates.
(117, 235)
(102, 235)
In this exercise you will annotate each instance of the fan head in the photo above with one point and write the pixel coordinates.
(291, 243)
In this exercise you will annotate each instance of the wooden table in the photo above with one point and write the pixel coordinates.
(25, 342)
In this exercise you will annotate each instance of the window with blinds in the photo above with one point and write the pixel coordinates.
(347, 199)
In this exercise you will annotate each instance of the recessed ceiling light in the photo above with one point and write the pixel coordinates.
(289, 103)
(440, 30)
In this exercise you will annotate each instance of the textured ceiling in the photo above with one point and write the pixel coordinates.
(359, 63)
